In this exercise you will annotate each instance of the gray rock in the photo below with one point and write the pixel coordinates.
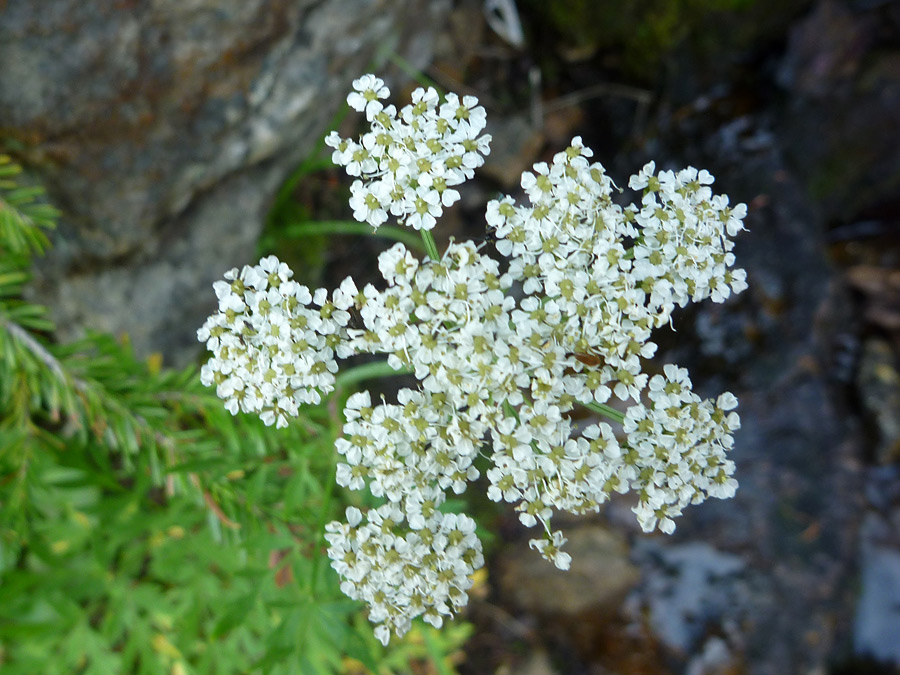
(876, 626)
(537, 663)
(876, 631)
(794, 519)
(515, 145)
(162, 130)
(599, 578)
(714, 659)
(691, 588)
(845, 88)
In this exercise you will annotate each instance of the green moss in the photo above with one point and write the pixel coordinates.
(639, 36)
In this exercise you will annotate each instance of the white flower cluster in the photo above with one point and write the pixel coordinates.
(503, 354)
(409, 162)
(425, 571)
(273, 342)
(677, 448)
(614, 273)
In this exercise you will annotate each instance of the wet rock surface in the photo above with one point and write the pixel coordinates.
(690, 587)
(772, 581)
(877, 619)
(782, 578)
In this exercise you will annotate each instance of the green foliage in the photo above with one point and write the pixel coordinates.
(144, 529)
(23, 218)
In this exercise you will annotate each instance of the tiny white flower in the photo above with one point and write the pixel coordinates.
(368, 90)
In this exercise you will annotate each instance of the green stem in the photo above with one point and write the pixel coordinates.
(606, 411)
(430, 245)
(510, 411)
(329, 227)
(366, 371)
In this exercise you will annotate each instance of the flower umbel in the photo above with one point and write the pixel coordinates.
(410, 161)
(503, 353)
(273, 342)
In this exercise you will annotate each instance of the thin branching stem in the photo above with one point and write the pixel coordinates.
(351, 227)
(365, 371)
(430, 245)
(607, 411)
